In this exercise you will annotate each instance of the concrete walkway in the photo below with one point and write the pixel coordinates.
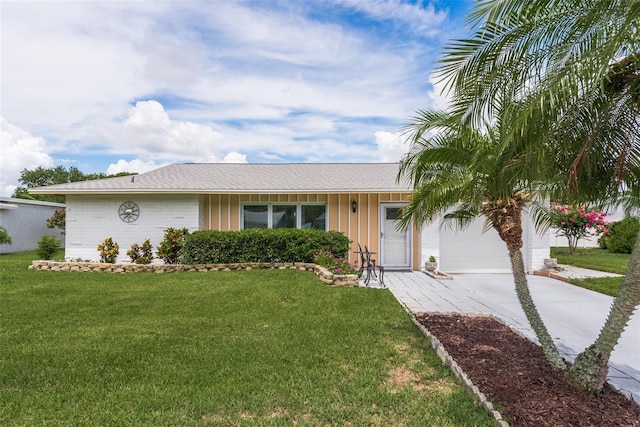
(573, 315)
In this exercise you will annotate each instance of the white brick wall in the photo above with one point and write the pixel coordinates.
(92, 218)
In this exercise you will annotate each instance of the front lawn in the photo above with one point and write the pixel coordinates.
(605, 285)
(595, 259)
(263, 347)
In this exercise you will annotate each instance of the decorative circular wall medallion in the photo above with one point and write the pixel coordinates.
(128, 211)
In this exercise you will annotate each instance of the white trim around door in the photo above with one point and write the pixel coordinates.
(395, 245)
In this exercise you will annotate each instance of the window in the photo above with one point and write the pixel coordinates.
(313, 216)
(284, 216)
(255, 216)
(393, 213)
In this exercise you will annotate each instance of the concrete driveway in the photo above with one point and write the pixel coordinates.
(573, 315)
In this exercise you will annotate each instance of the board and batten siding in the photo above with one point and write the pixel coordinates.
(222, 212)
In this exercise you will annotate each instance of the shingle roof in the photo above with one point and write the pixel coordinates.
(245, 178)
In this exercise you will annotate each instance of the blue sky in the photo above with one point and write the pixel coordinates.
(112, 86)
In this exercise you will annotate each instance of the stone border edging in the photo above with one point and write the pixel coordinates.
(480, 398)
(323, 274)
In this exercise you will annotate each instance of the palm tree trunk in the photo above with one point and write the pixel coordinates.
(590, 368)
(506, 219)
(528, 306)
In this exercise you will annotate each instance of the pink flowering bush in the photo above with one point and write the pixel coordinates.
(577, 223)
(336, 265)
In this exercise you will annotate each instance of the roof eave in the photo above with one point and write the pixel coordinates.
(217, 191)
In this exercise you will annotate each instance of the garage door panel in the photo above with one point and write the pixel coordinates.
(473, 251)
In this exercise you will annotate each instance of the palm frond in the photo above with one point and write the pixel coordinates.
(454, 167)
(564, 47)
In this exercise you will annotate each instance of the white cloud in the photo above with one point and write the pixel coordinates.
(282, 34)
(66, 63)
(149, 114)
(171, 61)
(20, 150)
(390, 146)
(150, 132)
(133, 166)
(418, 18)
(440, 99)
(234, 157)
(288, 81)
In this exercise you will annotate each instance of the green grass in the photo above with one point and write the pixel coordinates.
(595, 259)
(605, 285)
(270, 347)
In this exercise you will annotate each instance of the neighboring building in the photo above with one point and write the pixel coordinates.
(26, 222)
(359, 200)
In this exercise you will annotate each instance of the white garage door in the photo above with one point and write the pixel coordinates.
(471, 251)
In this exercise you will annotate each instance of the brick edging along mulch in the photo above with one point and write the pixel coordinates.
(552, 274)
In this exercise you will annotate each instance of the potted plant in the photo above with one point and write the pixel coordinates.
(432, 264)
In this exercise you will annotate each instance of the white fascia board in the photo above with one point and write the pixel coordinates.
(207, 191)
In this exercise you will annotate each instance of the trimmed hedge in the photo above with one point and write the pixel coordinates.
(261, 245)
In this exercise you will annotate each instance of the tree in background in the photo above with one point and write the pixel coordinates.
(58, 220)
(41, 177)
(577, 223)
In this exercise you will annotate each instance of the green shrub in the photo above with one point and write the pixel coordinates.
(48, 246)
(261, 245)
(622, 236)
(108, 251)
(169, 248)
(141, 254)
(602, 241)
(5, 239)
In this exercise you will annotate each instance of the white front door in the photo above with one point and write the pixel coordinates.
(395, 245)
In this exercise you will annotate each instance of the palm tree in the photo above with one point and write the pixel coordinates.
(572, 65)
(461, 172)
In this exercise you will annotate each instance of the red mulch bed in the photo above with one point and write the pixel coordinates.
(512, 372)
